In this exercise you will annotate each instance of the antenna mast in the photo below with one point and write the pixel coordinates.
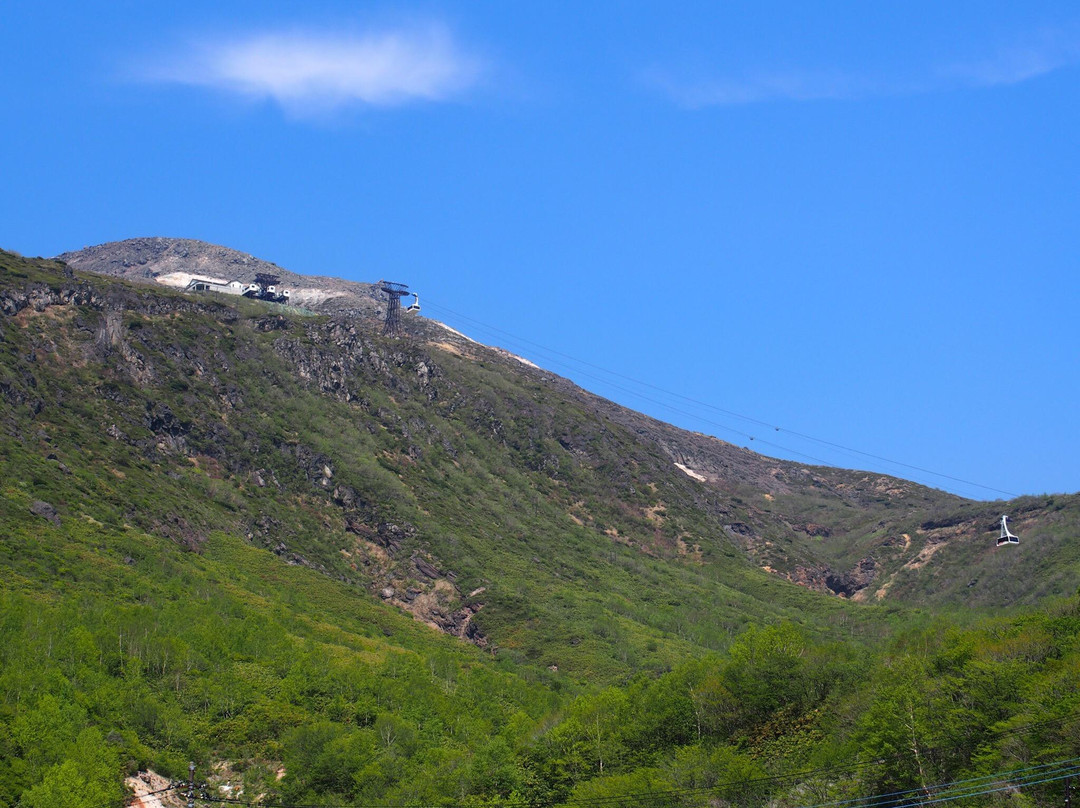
(394, 292)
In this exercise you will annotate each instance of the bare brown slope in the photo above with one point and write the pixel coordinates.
(160, 260)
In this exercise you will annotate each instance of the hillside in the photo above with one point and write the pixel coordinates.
(338, 566)
(452, 482)
(860, 535)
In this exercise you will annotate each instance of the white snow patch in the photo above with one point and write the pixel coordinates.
(182, 279)
(525, 361)
(455, 331)
(311, 296)
(689, 472)
(521, 359)
(502, 351)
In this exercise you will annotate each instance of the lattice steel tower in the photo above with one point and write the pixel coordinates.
(394, 292)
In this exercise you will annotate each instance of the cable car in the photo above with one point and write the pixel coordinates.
(1007, 536)
(415, 305)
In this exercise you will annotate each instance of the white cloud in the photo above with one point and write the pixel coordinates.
(319, 71)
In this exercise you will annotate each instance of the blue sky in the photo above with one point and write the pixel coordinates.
(853, 221)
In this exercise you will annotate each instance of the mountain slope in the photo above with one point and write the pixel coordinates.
(861, 535)
(458, 489)
(341, 568)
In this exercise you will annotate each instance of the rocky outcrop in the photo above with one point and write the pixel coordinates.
(339, 358)
(438, 605)
(39, 297)
(849, 583)
(46, 511)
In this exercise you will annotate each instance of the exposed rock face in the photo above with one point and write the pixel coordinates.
(72, 292)
(810, 577)
(848, 583)
(150, 790)
(12, 301)
(426, 568)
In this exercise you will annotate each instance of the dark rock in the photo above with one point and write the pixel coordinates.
(426, 568)
(391, 536)
(851, 582)
(278, 323)
(161, 420)
(355, 524)
(45, 511)
(344, 495)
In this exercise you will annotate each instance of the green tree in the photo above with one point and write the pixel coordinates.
(89, 778)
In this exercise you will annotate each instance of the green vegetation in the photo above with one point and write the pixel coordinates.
(217, 517)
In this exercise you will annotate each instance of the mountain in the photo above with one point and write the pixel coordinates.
(861, 535)
(340, 566)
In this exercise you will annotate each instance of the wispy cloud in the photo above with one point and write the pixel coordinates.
(323, 71)
(757, 87)
(1045, 53)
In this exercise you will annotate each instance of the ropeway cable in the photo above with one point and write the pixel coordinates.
(730, 413)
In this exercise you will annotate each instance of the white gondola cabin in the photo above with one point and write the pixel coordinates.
(1007, 536)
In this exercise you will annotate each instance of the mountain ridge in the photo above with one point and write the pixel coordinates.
(174, 261)
(782, 531)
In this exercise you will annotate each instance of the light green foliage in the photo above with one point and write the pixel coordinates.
(86, 778)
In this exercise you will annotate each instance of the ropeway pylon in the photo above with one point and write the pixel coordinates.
(394, 292)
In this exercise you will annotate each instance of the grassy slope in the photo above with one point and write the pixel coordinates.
(164, 421)
(946, 555)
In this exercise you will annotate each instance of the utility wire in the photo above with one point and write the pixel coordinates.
(932, 794)
(877, 801)
(775, 779)
(1024, 776)
(1000, 786)
(1015, 778)
(730, 413)
(132, 800)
